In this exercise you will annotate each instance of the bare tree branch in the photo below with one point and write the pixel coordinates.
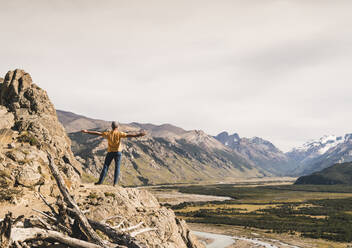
(44, 223)
(117, 237)
(118, 226)
(48, 204)
(44, 214)
(131, 227)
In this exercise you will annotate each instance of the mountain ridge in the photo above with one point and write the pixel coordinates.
(167, 154)
(313, 155)
(259, 151)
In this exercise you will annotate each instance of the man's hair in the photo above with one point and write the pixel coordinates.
(114, 124)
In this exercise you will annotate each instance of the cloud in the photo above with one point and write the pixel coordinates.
(274, 69)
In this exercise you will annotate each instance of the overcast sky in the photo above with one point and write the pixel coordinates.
(277, 69)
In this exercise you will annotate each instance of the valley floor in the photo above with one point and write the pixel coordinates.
(209, 210)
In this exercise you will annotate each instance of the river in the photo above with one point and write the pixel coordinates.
(223, 241)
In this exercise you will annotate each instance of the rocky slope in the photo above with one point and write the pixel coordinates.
(336, 174)
(260, 152)
(29, 132)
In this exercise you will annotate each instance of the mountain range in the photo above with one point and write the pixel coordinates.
(185, 156)
(167, 154)
(312, 156)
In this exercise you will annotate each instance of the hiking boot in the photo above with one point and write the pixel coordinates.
(97, 183)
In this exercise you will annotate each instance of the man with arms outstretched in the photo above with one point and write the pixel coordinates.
(114, 149)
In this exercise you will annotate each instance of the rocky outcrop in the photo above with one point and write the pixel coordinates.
(228, 140)
(134, 206)
(29, 131)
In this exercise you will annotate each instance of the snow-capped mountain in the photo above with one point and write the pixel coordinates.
(314, 148)
(259, 151)
(312, 156)
(318, 154)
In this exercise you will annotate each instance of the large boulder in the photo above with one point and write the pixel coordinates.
(130, 207)
(29, 176)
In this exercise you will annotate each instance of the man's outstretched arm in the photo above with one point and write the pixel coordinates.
(92, 132)
(130, 135)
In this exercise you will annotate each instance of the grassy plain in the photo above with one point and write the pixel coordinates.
(320, 212)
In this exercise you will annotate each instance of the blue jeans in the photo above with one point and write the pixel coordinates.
(109, 157)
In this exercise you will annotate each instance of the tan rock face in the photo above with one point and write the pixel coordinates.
(6, 118)
(29, 131)
(13, 88)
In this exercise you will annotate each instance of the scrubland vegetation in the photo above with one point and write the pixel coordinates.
(315, 211)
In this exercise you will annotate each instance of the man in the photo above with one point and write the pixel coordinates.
(114, 149)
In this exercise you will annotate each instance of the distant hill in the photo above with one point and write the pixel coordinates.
(336, 174)
(73, 122)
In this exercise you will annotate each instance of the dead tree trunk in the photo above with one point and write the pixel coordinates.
(27, 234)
(87, 229)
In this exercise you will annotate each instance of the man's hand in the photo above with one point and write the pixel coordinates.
(84, 131)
